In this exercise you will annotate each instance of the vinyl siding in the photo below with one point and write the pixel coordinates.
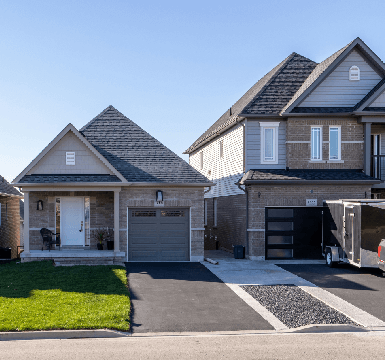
(253, 146)
(226, 170)
(54, 162)
(338, 91)
(379, 102)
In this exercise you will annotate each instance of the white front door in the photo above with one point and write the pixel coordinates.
(72, 221)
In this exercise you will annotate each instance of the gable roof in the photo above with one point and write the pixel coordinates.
(324, 68)
(137, 155)
(68, 128)
(268, 96)
(371, 97)
(8, 189)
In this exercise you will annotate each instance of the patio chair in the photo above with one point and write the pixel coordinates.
(47, 238)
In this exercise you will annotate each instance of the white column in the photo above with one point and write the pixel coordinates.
(26, 222)
(116, 221)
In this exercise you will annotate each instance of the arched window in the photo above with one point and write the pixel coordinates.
(354, 73)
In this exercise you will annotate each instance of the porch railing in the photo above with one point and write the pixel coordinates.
(377, 168)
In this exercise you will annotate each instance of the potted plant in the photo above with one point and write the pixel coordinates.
(110, 239)
(99, 234)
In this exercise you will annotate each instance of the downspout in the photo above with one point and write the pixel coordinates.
(247, 216)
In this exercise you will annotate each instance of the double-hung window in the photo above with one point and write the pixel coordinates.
(269, 142)
(316, 143)
(334, 142)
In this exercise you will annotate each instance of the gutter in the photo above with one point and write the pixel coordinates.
(353, 182)
(247, 215)
(112, 184)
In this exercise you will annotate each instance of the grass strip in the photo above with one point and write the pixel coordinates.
(39, 296)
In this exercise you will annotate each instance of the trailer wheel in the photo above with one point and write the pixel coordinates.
(329, 259)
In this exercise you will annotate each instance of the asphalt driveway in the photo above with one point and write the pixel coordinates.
(363, 288)
(185, 297)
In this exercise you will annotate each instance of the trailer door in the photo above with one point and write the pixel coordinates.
(349, 215)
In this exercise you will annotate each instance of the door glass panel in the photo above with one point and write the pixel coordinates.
(87, 220)
(280, 213)
(279, 226)
(280, 239)
(280, 253)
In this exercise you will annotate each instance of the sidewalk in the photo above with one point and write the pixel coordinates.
(238, 272)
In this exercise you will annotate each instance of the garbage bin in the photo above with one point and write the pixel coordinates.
(5, 253)
(239, 252)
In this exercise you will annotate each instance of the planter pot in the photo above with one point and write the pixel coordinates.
(110, 245)
(100, 247)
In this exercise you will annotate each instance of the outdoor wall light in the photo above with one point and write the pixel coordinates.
(159, 196)
(39, 205)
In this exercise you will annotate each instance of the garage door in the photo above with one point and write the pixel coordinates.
(293, 232)
(158, 235)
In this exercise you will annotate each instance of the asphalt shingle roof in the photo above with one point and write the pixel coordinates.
(7, 188)
(304, 175)
(268, 96)
(134, 153)
(63, 178)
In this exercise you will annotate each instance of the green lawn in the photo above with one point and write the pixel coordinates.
(39, 296)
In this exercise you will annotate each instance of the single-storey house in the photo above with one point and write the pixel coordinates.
(112, 177)
(9, 218)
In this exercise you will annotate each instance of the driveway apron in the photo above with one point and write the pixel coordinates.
(185, 297)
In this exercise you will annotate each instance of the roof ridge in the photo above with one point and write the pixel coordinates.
(110, 107)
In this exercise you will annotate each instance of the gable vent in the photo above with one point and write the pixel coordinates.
(354, 73)
(70, 158)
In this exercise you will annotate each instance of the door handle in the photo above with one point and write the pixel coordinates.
(81, 227)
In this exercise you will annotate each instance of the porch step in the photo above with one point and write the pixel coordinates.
(75, 248)
(102, 261)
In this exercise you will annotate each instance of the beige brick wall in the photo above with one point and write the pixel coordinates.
(290, 195)
(10, 223)
(299, 131)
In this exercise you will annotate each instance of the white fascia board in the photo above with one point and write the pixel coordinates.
(68, 128)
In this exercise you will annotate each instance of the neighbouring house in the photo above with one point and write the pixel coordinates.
(9, 217)
(304, 133)
(112, 175)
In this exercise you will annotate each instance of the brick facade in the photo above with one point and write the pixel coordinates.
(298, 131)
(290, 195)
(231, 223)
(10, 223)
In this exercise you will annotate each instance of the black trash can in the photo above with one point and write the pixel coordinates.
(239, 252)
(5, 253)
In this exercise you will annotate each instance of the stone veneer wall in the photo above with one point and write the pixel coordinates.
(291, 195)
(101, 213)
(231, 222)
(298, 136)
(139, 197)
(10, 223)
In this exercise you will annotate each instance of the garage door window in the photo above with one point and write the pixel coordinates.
(172, 213)
(280, 226)
(280, 253)
(280, 213)
(280, 239)
(144, 213)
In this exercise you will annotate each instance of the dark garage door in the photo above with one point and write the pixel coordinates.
(293, 232)
(158, 235)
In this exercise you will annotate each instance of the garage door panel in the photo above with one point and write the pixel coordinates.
(163, 237)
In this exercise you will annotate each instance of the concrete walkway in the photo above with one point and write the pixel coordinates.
(235, 272)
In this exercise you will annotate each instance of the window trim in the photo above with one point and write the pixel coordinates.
(320, 142)
(274, 126)
(339, 142)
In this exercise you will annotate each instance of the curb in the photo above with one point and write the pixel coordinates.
(61, 334)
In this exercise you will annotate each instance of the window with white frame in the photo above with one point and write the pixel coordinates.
(215, 212)
(70, 158)
(335, 143)
(269, 142)
(316, 143)
(354, 73)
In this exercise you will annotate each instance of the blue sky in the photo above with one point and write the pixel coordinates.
(173, 67)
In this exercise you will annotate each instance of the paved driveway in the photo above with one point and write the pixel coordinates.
(363, 288)
(186, 297)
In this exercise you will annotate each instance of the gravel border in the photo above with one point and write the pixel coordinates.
(295, 307)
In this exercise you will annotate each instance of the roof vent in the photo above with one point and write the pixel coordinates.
(354, 73)
(70, 158)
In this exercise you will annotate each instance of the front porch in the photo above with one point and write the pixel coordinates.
(76, 257)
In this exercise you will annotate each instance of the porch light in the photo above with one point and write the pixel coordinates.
(39, 205)
(159, 196)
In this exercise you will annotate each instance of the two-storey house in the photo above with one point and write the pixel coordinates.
(304, 133)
